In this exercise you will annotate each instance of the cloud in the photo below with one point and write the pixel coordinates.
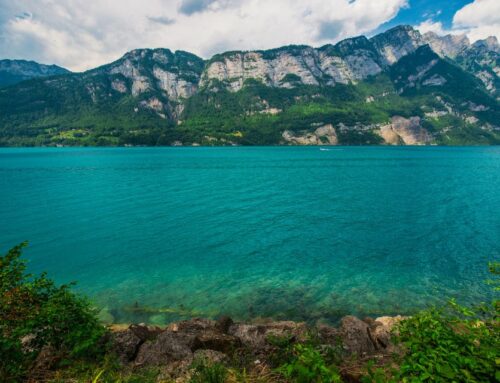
(430, 25)
(82, 34)
(188, 7)
(479, 19)
(161, 20)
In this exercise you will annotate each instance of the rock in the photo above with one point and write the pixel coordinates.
(145, 332)
(209, 356)
(169, 346)
(194, 325)
(355, 336)
(256, 336)
(125, 345)
(381, 330)
(324, 135)
(178, 371)
(328, 335)
(223, 324)
(217, 341)
(404, 131)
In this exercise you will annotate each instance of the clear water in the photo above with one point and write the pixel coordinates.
(160, 234)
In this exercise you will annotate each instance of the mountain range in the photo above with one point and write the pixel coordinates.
(398, 87)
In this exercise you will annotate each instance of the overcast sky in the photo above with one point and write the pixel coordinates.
(82, 34)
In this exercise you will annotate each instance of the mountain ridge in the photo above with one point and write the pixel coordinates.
(15, 71)
(161, 97)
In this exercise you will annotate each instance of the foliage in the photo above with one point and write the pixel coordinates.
(451, 344)
(308, 366)
(107, 371)
(44, 315)
(209, 373)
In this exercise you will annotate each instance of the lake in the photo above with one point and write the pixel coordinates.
(160, 234)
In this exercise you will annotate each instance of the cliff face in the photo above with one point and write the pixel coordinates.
(156, 96)
(350, 60)
(176, 74)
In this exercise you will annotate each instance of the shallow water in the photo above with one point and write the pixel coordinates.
(160, 234)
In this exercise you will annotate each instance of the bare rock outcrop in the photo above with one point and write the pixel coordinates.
(174, 348)
(324, 135)
(405, 131)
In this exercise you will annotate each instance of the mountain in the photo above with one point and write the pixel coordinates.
(399, 87)
(15, 71)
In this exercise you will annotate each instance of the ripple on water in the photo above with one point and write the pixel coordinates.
(161, 234)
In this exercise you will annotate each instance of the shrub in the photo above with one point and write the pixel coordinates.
(309, 366)
(209, 373)
(34, 313)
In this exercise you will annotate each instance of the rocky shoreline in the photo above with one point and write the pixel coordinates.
(176, 347)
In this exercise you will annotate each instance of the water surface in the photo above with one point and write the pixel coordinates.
(159, 234)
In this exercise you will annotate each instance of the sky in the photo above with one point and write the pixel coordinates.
(83, 34)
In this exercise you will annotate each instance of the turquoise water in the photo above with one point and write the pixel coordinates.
(159, 234)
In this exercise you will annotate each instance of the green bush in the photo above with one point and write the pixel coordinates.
(456, 344)
(451, 344)
(209, 373)
(308, 366)
(34, 309)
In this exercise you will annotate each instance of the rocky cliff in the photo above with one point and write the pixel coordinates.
(348, 61)
(347, 93)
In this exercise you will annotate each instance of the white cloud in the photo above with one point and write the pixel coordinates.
(81, 34)
(430, 25)
(480, 19)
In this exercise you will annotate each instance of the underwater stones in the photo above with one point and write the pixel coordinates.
(105, 316)
(356, 336)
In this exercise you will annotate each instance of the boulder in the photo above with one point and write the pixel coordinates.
(217, 341)
(355, 335)
(169, 346)
(223, 324)
(256, 336)
(381, 331)
(125, 345)
(328, 335)
(194, 325)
